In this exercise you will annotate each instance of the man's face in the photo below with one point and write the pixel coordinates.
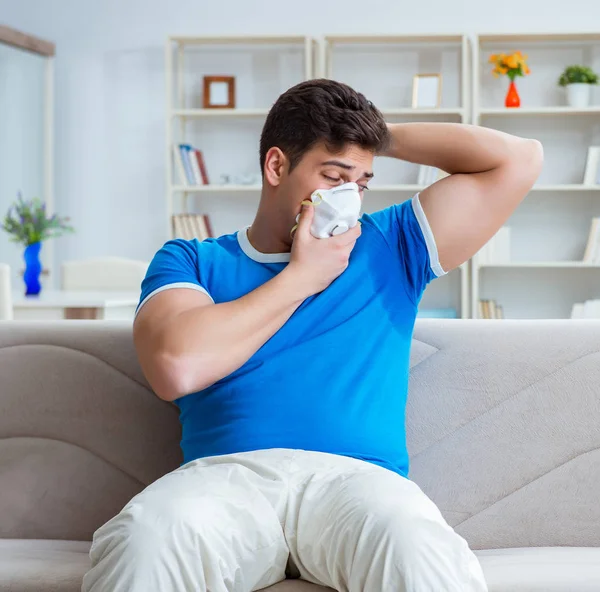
(320, 169)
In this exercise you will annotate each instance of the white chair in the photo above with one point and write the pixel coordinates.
(6, 308)
(103, 274)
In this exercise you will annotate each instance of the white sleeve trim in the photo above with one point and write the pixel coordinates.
(428, 236)
(189, 285)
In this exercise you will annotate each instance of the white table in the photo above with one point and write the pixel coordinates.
(62, 304)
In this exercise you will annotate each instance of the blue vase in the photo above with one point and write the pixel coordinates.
(33, 269)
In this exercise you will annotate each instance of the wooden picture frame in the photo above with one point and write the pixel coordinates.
(218, 92)
(427, 91)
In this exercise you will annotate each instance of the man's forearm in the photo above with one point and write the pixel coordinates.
(205, 344)
(452, 147)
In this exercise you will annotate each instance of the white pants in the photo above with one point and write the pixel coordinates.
(235, 523)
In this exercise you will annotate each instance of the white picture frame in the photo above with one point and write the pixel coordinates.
(427, 91)
(591, 175)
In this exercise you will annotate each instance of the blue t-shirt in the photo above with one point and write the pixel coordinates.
(334, 378)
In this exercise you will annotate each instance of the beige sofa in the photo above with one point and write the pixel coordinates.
(503, 426)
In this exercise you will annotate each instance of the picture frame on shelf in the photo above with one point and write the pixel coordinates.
(427, 91)
(218, 92)
(591, 175)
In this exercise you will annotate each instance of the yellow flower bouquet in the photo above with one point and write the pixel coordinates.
(511, 65)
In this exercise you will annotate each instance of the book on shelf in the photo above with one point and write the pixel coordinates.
(592, 248)
(496, 250)
(429, 175)
(590, 309)
(190, 226)
(190, 165)
(489, 309)
(591, 175)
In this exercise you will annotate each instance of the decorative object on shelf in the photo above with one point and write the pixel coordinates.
(427, 91)
(590, 309)
(496, 250)
(511, 65)
(592, 249)
(28, 224)
(218, 92)
(190, 226)
(591, 175)
(578, 81)
(488, 309)
(190, 165)
(247, 179)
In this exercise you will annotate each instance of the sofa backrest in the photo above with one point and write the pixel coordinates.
(80, 431)
(503, 427)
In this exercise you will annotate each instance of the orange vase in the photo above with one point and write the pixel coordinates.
(512, 96)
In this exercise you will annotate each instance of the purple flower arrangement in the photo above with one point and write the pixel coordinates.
(28, 223)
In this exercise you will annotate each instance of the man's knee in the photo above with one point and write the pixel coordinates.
(146, 541)
(427, 550)
(148, 526)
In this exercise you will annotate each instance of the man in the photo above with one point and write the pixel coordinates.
(288, 357)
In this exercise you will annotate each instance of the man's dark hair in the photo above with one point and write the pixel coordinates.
(325, 111)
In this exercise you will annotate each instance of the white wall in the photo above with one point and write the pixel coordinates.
(110, 88)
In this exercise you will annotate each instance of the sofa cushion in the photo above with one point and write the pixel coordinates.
(59, 566)
(29, 565)
(542, 569)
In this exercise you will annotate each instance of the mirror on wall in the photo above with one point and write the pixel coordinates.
(25, 156)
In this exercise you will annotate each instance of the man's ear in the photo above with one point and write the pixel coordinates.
(276, 164)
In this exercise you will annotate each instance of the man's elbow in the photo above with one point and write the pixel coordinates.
(523, 166)
(535, 151)
(529, 161)
(177, 376)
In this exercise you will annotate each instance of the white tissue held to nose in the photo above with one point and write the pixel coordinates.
(336, 210)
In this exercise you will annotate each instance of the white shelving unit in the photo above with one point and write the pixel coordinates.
(545, 275)
(263, 66)
(190, 113)
(543, 264)
(350, 59)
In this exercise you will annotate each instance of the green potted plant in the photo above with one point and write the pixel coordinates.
(28, 224)
(578, 81)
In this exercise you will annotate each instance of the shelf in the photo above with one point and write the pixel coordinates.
(537, 188)
(416, 38)
(248, 188)
(566, 187)
(537, 37)
(521, 111)
(403, 111)
(424, 111)
(219, 112)
(216, 188)
(395, 188)
(373, 189)
(236, 39)
(543, 265)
